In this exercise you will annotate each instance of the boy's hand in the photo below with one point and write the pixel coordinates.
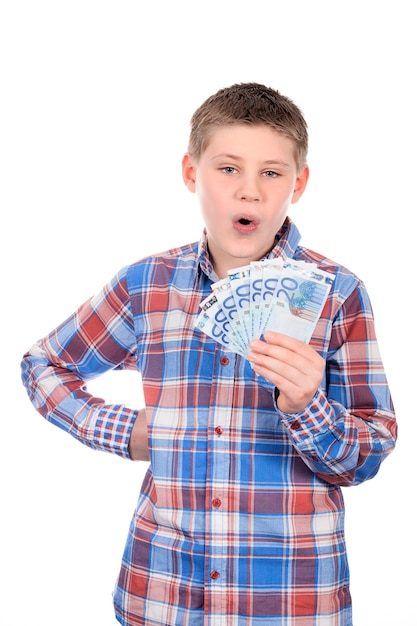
(295, 368)
(138, 444)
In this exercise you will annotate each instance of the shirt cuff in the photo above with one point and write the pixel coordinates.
(100, 427)
(113, 429)
(316, 418)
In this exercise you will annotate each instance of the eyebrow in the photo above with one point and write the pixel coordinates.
(235, 157)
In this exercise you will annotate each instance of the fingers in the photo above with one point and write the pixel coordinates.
(295, 368)
(287, 350)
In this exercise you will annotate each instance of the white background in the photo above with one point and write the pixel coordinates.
(95, 104)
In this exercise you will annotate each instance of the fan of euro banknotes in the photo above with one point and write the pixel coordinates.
(286, 296)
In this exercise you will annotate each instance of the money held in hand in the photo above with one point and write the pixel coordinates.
(285, 296)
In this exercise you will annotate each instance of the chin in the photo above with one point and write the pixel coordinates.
(254, 253)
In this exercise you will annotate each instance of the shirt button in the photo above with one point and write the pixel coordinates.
(295, 425)
(214, 575)
(216, 502)
(218, 430)
(224, 360)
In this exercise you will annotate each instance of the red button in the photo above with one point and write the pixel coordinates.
(224, 360)
(295, 425)
(218, 430)
(216, 502)
(214, 575)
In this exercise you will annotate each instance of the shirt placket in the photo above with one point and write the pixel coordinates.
(217, 505)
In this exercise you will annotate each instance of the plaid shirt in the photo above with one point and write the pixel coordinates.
(240, 520)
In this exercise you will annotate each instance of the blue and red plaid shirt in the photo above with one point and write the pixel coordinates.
(240, 519)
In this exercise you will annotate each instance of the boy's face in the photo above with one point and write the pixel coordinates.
(246, 180)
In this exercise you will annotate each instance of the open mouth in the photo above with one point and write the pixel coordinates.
(245, 224)
(245, 219)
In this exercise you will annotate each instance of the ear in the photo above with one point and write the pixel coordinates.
(188, 172)
(300, 184)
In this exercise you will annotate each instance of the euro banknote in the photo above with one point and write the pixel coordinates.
(286, 296)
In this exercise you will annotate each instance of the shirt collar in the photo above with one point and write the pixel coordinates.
(287, 240)
(204, 261)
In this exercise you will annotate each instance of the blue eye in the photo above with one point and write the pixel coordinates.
(228, 169)
(270, 174)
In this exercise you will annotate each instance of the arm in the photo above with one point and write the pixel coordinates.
(338, 412)
(99, 336)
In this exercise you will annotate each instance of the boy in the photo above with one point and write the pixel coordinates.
(240, 520)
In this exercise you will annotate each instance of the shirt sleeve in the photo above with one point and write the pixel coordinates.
(98, 337)
(349, 427)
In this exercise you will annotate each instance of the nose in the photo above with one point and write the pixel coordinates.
(249, 189)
